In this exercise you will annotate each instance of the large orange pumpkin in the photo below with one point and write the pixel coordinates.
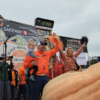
(75, 86)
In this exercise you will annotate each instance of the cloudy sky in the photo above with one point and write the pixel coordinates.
(73, 18)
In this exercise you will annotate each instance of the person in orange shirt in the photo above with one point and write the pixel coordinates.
(21, 83)
(70, 58)
(42, 63)
(13, 79)
(58, 68)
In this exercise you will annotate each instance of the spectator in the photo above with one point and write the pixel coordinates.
(21, 83)
(13, 79)
(5, 93)
(58, 68)
(70, 58)
(42, 63)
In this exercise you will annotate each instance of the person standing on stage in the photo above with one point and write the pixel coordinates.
(70, 58)
(42, 63)
(58, 68)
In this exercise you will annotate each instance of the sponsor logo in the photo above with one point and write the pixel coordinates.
(25, 32)
(18, 40)
(43, 67)
(44, 55)
(12, 30)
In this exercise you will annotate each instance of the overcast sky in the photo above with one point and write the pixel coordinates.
(73, 18)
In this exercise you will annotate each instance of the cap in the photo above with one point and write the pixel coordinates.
(2, 56)
(54, 55)
(41, 43)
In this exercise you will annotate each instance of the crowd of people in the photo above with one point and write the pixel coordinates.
(35, 73)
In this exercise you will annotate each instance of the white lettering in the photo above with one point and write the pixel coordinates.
(12, 30)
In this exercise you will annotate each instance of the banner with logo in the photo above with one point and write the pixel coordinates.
(19, 34)
(75, 44)
(72, 42)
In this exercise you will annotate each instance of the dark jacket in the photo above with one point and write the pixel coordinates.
(4, 71)
(10, 76)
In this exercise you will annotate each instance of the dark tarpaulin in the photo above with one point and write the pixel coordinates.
(72, 42)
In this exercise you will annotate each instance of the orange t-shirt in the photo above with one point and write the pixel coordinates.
(22, 72)
(13, 78)
(43, 60)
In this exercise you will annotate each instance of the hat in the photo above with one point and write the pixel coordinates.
(41, 43)
(54, 55)
(84, 39)
(2, 56)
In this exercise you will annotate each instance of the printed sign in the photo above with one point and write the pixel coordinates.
(19, 34)
(72, 42)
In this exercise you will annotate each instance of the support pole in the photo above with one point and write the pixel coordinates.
(38, 35)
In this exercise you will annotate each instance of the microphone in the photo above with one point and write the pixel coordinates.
(6, 39)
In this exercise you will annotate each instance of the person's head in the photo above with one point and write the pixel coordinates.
(12, 68)
(2, 58)
(41, 46)
(31, 44)
(55, 58)
(70, 51)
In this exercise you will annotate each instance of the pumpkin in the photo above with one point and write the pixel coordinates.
(75, 86)
(80, 69)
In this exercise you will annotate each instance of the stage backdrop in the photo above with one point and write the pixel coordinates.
(19, 37)
(75, 44)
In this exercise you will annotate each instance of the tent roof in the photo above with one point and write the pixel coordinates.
(15, 21)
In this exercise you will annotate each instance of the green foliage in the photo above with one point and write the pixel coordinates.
(93, 61)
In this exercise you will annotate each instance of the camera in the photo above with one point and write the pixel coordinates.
(11, 57)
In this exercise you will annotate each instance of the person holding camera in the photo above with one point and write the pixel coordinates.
(5, 93)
